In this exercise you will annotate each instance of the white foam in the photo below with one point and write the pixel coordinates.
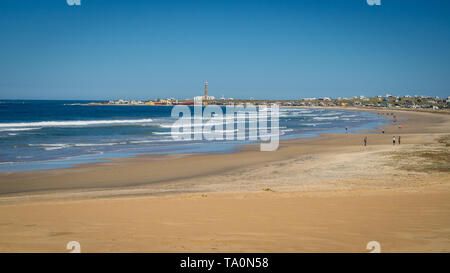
(192, 132)
(73, 123)
(47, 145)
(18, 129)
(94, 144)
(155, 140)
(50, 147)
(56, 146)
(326, 118)
(200, 124)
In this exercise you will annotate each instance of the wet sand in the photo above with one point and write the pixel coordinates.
(312, 195)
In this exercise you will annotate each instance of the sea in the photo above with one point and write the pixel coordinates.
(43, 134)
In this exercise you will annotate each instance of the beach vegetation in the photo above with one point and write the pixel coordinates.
(427, 158)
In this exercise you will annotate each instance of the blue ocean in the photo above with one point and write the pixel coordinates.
(37, 135)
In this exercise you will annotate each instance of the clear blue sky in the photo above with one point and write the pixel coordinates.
(109, 49)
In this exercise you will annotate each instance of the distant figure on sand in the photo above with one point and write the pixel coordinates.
(346, 130)
(398, 140)
(382, 131)
(365, 141)
(393, 140)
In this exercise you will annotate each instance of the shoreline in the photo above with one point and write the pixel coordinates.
(34, 183)
(145, 158)
(325, 194)
(109, 156)
(80, 160)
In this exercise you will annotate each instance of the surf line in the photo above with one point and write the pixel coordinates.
(237, 116)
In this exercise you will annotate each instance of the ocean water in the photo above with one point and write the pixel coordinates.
(36, 135)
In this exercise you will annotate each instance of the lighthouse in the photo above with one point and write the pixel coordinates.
(206, 90)
(205, 100)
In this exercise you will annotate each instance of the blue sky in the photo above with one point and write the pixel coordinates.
(109, 49)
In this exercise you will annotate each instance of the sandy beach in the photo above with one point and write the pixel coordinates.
(325, 194)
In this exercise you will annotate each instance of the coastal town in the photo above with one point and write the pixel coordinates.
(382, 101)
(418, 102)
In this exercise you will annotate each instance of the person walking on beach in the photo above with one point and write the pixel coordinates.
(398, 140)
(365, 141)
(393, 140)
(346, 130)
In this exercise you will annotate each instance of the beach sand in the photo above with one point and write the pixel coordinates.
(326, 194)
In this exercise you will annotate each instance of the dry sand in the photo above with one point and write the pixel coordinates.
(312, 195)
